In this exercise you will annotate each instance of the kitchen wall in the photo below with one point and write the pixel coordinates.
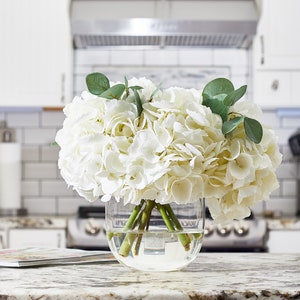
(44, 191)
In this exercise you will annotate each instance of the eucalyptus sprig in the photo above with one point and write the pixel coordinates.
(219, 95)
(98, 84)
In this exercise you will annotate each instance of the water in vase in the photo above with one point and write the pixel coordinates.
(155, 250)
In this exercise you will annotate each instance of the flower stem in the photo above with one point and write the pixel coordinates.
(144, 223)
(173, 224)
(130, 224)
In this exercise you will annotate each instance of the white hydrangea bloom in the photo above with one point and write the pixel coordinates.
(174, 152)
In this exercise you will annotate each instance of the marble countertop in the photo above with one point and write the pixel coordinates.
(213, 276)
(46, 222)
(284, 224)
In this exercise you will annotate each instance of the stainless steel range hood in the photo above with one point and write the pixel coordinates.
(163, 23)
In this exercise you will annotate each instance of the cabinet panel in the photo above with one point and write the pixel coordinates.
(277, 44)
(35, 55)
(273, 89)
(3, 239)
(36, 238)
(284, 241)
(295, 86)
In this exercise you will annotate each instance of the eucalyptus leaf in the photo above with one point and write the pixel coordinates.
(115, 92)
(126, 86)
(253, 129)
(138, 102)
(216, 87)
(234, 96)
(217, 107)
(155, 91)
(97, 83)
(230, 125)
(136, 87)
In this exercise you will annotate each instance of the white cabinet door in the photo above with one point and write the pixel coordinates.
(284, 241)
(276, 53)
(277, 44)
(35, 53)
(3, 239)
(18, 238)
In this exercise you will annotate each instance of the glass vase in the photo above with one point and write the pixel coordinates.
(155, 237)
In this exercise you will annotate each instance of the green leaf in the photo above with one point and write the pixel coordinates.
(217, 107)
(126, 86)
(216, 87)
(234, 96)
(97, 83)
(155, 91)
(230, 125)
(115, 92)
(136, 87)
(138, 102)
(253, 129)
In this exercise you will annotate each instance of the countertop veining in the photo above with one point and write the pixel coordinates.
(213, 276)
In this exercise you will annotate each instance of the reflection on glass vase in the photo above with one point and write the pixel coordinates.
(155, 237)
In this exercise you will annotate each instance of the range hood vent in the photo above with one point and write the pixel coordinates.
(233, 27)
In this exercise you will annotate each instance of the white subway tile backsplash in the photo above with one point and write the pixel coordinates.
(49, 153)
(126, 57)
(55, 187)
(293, 122)
(285, 205)
(38, 205)
(284, 134)
(269, 118)
(239, 80)
(39, 170)
(195, 57)
(287, 170)
(161, 58)
(231, 57)
(30, 188)
(30, 153)
(92, 57)
(23, 120)
(289, 188)
(52, 119)
(39, 136)
(69, 205)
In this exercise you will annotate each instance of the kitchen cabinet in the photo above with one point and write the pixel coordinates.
(35, 53)
(2, 239)
(284, 241)
(275, 89)
(276, 53)
(277, 41)
(28, 237)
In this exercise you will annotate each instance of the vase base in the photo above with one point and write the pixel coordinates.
(156, 251)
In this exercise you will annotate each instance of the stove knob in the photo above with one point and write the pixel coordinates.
(223, 229)
(92, 227)
(208, 229)
(241, 228)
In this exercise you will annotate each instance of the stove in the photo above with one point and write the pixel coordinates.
(248, 235)
(87, 231)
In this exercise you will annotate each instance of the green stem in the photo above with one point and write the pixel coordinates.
(130, 224)
(167, 220)
(144, 223)
(173, 224)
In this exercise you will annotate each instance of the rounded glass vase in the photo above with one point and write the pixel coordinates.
(155, 237)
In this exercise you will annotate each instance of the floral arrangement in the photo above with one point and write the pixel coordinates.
(134, 141)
